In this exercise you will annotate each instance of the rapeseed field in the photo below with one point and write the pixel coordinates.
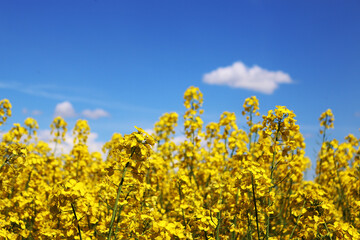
(221, 182)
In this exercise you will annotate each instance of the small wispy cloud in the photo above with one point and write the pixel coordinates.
(253, 78)
(357, 114)
(36, 112)
(32, 112)
(59, 93)
(95, 114)
(308, 135)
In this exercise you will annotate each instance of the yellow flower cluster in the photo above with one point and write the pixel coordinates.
(58, 129)
(5, 110)
(220, 182)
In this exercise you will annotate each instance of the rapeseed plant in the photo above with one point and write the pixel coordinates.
(220, 182)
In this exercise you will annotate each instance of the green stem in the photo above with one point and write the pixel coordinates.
(182, 210)
(249, 232)
(28, 181)
(56, 143)
(327, 229)
(117, 199)
(77, 166)
(297, 221)
(218, 225)
(78, 226)
(233, 234)
(250, 133)
(218, 216)
(256, 211)
(323, 140)
(271, 177)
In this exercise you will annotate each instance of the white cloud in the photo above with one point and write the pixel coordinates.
(65, 147)
(240, 76)
(65, 109)
(179, 139)
(149, 131)
(95, 114)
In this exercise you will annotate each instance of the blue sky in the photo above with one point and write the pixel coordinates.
(133, 60)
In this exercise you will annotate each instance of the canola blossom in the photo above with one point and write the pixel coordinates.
(220, 182)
